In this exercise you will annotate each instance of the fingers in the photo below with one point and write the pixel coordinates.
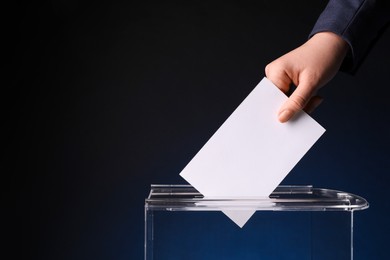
(278, 76)
(313, 103)
(296, 102)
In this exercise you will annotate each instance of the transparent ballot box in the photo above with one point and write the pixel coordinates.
(295, 222)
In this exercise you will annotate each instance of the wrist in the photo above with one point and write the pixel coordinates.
(331, 40)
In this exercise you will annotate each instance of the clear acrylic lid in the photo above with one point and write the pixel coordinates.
(284, 198)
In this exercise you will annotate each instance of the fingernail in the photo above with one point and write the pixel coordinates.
(285, 115)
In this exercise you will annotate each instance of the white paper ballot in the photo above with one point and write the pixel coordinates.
(252, 152)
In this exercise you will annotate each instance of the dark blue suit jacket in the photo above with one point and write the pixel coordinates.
(358, 22)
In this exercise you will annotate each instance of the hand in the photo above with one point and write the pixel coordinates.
(309, 67)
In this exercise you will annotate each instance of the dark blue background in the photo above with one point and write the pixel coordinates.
(108, 98)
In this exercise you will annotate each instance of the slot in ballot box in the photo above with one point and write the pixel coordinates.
(294, 222)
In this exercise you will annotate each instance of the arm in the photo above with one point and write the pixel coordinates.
(358, 22)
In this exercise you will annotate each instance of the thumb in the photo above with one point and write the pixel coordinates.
(296, 102)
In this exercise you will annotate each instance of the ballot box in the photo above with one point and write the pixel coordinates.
(294, 222)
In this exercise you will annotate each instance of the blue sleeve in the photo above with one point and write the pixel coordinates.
(358, 22)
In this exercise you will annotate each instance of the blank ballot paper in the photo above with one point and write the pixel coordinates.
(252, 152)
